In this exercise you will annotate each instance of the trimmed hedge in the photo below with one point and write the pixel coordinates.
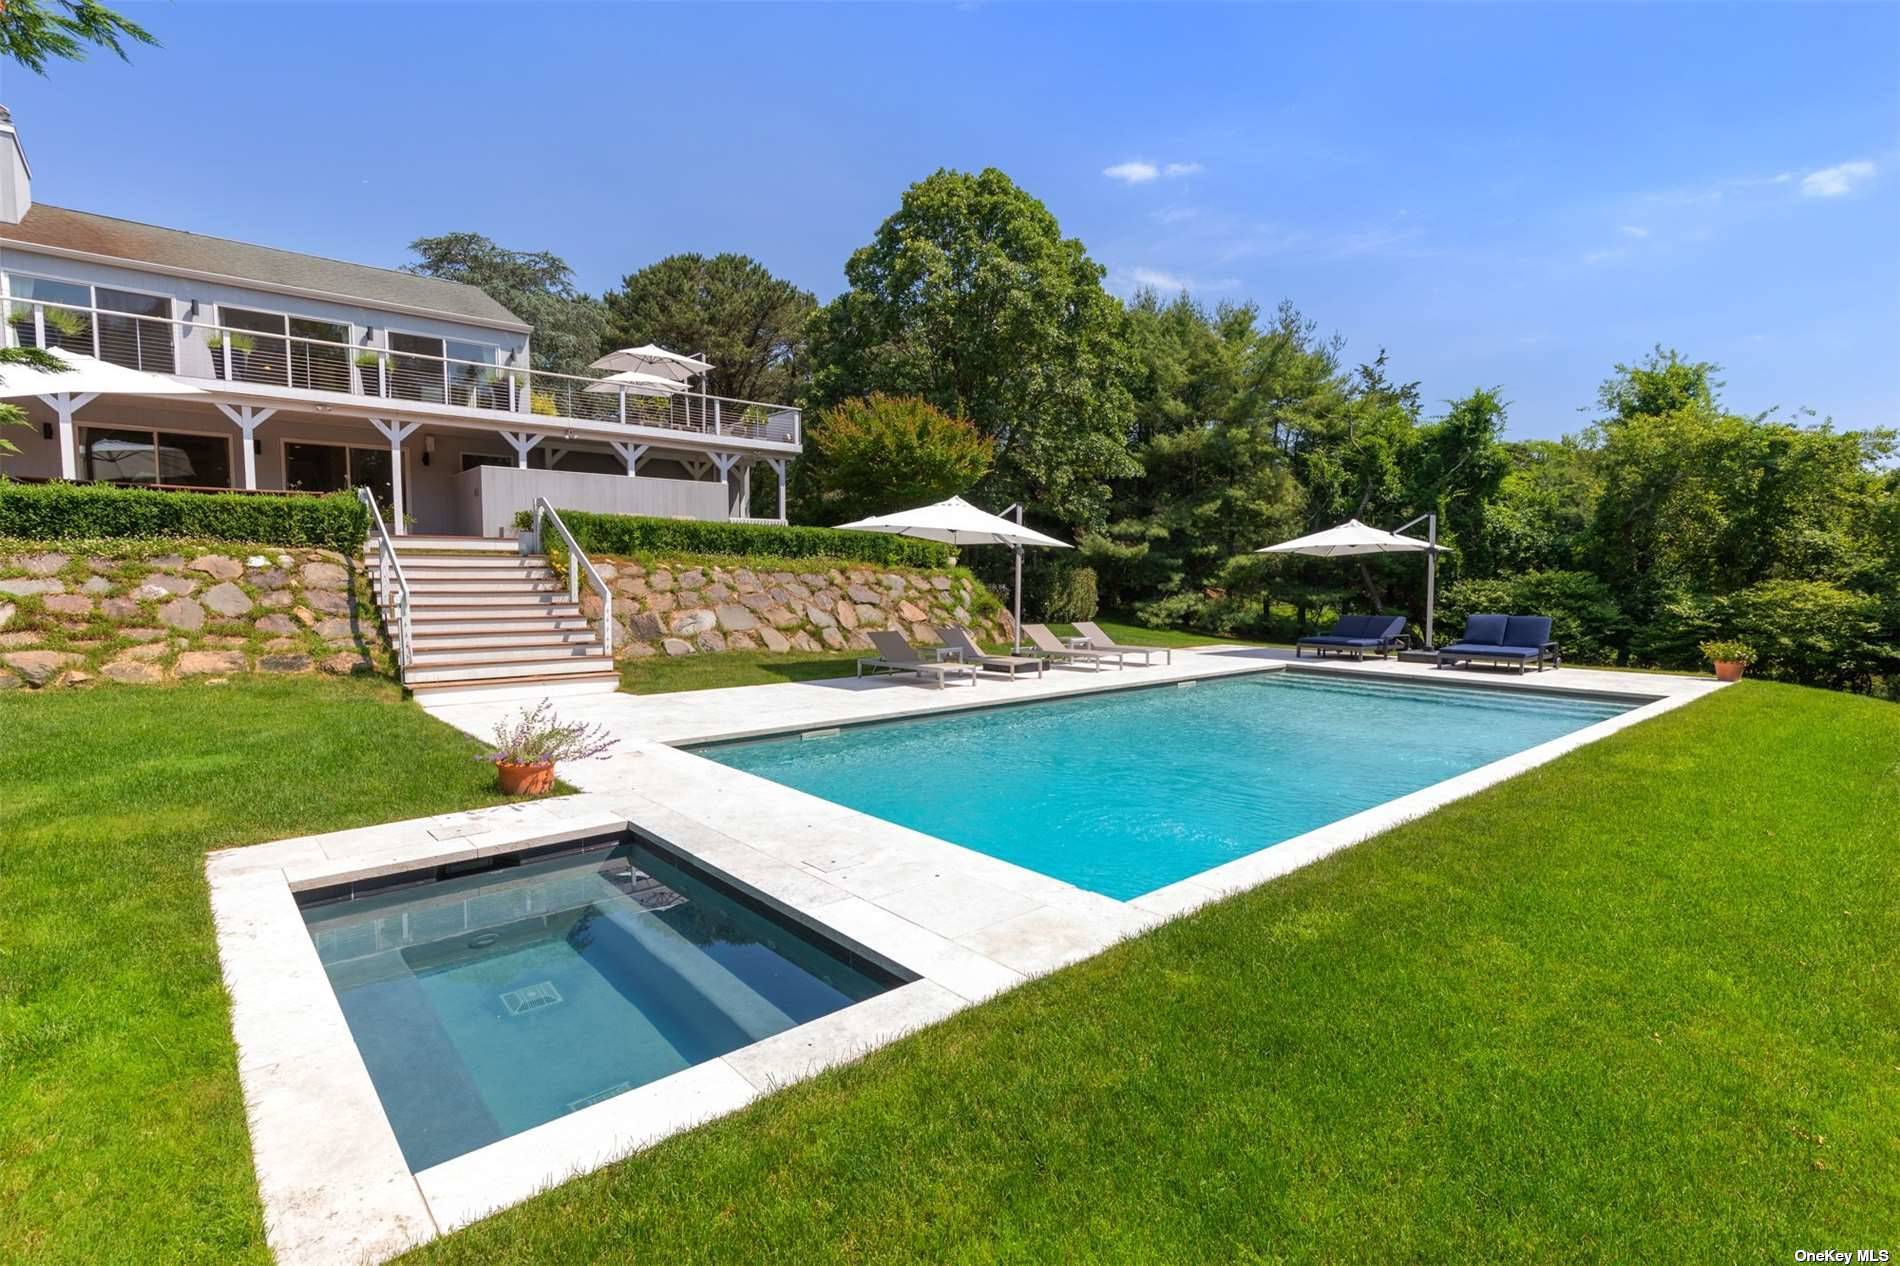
(625, 534)
(56, 511)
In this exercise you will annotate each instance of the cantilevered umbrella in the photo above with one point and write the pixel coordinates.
(650, 358)
(83, 380)
(1353, 538)
(959, 523)
(636, 383)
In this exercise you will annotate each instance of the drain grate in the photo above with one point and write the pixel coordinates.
(531, 998)
(599, 1096)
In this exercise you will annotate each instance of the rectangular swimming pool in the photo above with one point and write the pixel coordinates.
(487, 1003)
(1123, 793)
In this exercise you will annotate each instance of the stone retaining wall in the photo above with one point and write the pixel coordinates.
(75, 618)
(690, 608)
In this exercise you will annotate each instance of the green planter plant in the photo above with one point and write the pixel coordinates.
(1729, 657)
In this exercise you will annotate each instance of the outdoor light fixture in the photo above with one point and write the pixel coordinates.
(428, 448)
(46, 430)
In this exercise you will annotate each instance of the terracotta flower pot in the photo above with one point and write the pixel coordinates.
(525, 780)
(1729, 669)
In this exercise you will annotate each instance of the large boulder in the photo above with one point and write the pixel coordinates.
(37, 668)
(227, 599)
(27, 588)
(774, 640)
(693, 623)
(207, 663)
(675, 647)
(216, 566)
(166, 583)
(736, 619)
(324, 576)
(77, 604)
(44, 564)
(182, 613)
(133, 672)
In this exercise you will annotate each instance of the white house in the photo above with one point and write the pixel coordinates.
(319, 374)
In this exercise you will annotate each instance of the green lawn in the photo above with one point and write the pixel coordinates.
(122, 1132)
(1637, 1003)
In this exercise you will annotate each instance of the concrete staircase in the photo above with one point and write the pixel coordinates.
(487, 621)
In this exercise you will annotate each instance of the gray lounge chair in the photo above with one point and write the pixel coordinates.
(894, 655)
(1051, 647)
(1103, 642)
(959, 640)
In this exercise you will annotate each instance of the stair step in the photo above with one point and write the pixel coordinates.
(485, 638)
(436, 656)
(551, 599)
(451, 620)
(498, 584)
(422, 674)
(463, 544)
(515, 689)
(512, 570)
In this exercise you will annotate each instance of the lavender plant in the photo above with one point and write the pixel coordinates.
(538, 737)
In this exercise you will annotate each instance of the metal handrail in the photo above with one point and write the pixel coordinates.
(390, 569)
(574, 555)
(380, 372)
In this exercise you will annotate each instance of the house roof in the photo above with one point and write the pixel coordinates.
(82, 232)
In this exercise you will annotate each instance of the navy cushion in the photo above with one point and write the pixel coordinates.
(1383, 627)
(1350, 626)
(1527, 630)
(1485, 630)
(1486, 648)
(1324, 639)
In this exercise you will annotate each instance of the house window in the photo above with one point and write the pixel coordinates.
(332, 467)
(291, 351)
(134, 330)
(139, 456)
(53, 314)
(446, 371)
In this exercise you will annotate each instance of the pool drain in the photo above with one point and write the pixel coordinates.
(484, 940)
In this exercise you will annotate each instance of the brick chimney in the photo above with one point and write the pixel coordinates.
(16, 178)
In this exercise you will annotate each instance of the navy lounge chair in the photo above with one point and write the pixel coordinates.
(1504, 639)
(1355, 635)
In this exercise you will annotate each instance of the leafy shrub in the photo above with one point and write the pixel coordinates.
(874, 454)
(1071, 595)
(1728, 652)
(1810, 632)
(1584, 618)
(101, 511)
(626, 534)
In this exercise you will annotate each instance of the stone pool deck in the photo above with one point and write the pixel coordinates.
(967, 925)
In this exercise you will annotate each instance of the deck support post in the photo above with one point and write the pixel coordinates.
(64, 404)
(247, 418)
(523, 443)
(396, 433)
(725, 462)
(630, 454)
(778, 465)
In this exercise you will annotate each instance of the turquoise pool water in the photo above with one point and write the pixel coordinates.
(489, 1003)
(1124, 793)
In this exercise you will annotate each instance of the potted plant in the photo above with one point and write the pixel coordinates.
(527, 748)
(369, 376)
(1729, 658)
(242, 345)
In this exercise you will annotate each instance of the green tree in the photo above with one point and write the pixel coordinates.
(730, 308)
(1662, 383)
(536, 286)
(970, 297)
(32, 32)
(875, 454)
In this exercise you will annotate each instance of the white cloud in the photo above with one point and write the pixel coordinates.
(1832, 182)
(1635, 230)
(1183, 169)
(1134, 172)
(1142, 277)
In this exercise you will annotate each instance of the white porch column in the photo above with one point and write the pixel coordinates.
(396, 433)
(64, 404)
(778, 465)
(523, 443)
(725, 462)
(248, 418)
(630, 454)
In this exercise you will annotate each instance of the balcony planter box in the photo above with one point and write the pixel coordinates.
(369, 381)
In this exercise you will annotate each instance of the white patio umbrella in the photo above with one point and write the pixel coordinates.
(650, 358)
(959, 523)
(637, 383)
(1354, 538)
(83, 380)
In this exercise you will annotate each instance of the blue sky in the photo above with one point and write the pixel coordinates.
(1511, 196)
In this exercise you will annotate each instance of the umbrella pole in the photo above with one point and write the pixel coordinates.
(1431, 577)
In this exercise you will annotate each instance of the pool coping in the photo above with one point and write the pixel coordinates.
(966, 924)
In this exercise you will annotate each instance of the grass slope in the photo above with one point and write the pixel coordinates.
(1637, 1004)
(122, 1133)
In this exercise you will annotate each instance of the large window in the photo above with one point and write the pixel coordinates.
(138, 456)
(330, 467)
(47, 312)
(423, 367)
(285, 350)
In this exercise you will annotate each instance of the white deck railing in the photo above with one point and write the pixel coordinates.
(200, 349)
